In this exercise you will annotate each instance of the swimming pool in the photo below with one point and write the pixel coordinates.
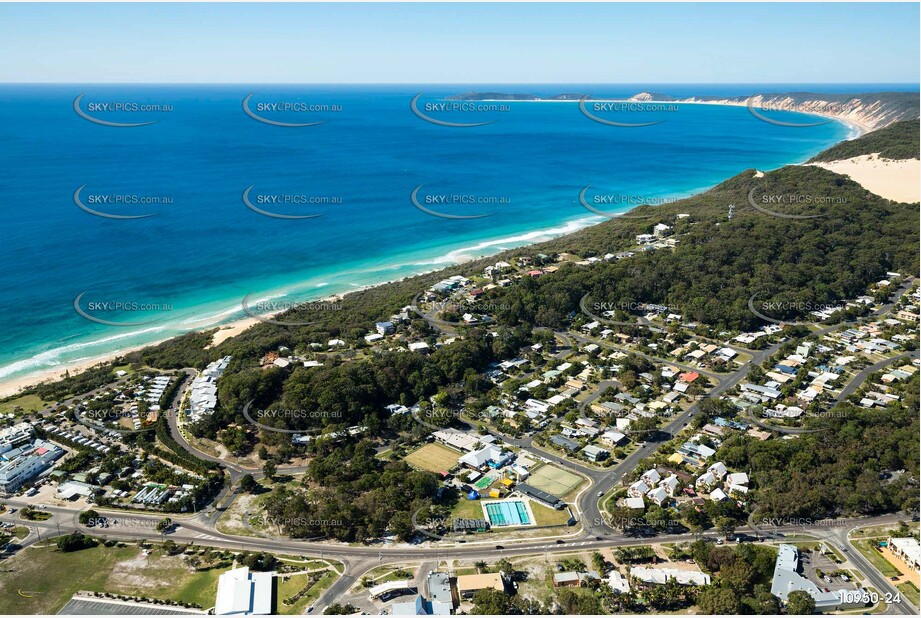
(507, 513)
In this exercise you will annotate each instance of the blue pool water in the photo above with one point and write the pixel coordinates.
(511, 513)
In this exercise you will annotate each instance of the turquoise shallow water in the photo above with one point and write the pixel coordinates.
(204, 249)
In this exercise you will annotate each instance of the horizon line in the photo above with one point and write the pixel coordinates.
(247, 83)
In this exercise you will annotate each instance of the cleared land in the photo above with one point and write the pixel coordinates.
(41, 580)
(23, 405)
(554, 480)
(869, 551)
(433, 458)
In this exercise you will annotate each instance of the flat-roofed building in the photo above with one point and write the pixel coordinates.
(661, 576)
(907, 549)
(441, 594)
(468, 585)
(241, 592)
(389, 589)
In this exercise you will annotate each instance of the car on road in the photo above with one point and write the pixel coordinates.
(600, 493)
(500, 547)
(560, 541)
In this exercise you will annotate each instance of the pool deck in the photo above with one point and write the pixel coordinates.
(527, 507)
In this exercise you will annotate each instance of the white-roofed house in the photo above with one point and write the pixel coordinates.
(638, 489)
(737, 478)
(651, 476)
(718, 469)
(658, 495)
(706, 480)
(635, 503)
(670, 484)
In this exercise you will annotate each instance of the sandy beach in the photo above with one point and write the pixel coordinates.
(893, 180)
(888, 179)
(857, 128)
(11, 386)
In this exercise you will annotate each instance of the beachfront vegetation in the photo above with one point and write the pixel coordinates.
(717, 264)
(897, 141)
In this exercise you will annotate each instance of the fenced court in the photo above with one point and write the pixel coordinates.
(554, 480)
(433, 458)
(483, 483)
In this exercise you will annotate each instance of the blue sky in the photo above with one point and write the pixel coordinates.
(461, 43)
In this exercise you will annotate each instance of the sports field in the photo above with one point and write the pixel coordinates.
(433, 457)
(554, 480)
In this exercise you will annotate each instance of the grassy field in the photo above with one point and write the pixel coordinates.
(910, 591)
(27, 403)
(545, 516)
(554, 480)
(433, 457)
(868, 549)
(295, 584)
(467, 509)
(40, 580)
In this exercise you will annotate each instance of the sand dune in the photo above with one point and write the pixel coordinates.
(894, 180)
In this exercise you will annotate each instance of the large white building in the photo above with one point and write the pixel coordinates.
(788, 578)
(15, 436)
(23, 464)
(907, 549)
(240, 592)
(203, 394)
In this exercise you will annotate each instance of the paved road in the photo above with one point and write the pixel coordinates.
(358, 559)
(861, 377)
(840, 538)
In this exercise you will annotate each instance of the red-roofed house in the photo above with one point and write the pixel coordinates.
(689, 376)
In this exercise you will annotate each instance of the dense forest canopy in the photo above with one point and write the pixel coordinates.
(897, 141)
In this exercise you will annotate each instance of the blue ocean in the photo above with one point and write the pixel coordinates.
(116, 236)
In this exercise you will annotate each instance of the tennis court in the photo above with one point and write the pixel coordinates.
(554, 480)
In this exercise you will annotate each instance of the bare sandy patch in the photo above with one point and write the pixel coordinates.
(891, 179)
